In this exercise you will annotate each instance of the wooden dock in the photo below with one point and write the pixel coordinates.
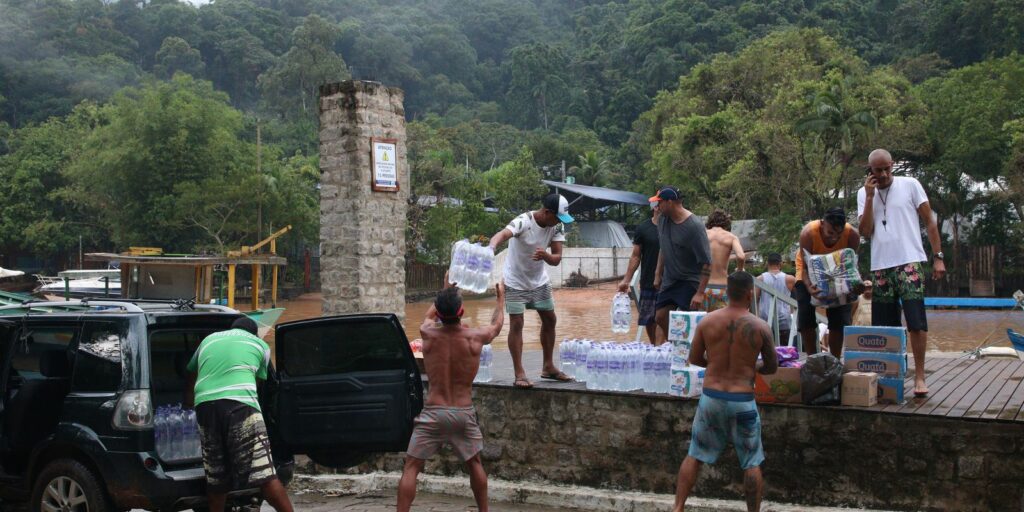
(983, 390)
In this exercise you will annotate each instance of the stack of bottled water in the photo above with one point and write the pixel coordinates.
(177, 433)
(613, 366)
(486, 358)
(621, 313)
(471, 266)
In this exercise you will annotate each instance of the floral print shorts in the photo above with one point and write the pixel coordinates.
(904, 282)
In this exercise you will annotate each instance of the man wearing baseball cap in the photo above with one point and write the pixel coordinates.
(684, 263)
(526, 279)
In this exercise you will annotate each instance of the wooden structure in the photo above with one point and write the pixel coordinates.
(183, 277)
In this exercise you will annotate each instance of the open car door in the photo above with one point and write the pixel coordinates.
(347, 386)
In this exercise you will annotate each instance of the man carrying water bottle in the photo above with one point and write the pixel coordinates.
(236, 448)
(451, 355)
(526, 277)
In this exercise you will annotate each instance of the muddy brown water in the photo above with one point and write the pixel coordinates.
(584, 313)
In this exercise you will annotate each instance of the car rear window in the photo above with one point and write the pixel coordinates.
(98, 361)
(40, 340)
(355, 346)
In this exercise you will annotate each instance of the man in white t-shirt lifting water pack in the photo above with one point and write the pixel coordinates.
(526, 280)
(891, 210)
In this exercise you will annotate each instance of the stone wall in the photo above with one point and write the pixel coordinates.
(815, 455)
(362, 232)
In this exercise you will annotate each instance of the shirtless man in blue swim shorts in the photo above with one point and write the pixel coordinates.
(727, 343)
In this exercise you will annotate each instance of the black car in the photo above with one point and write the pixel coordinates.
(80, 385)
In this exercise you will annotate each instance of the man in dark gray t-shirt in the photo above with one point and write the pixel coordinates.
(684, 263)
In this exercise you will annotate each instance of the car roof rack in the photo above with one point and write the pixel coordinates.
(30, 305)
(129, 305)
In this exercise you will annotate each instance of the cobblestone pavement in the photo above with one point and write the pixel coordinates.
(385, 501)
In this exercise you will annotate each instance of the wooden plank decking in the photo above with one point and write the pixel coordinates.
(986, 389)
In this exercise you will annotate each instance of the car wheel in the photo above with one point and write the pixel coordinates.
(65, 485)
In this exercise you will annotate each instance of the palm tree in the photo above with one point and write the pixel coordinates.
(592, 169)
(838, 129)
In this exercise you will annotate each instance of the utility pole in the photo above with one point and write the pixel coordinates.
(259, 175)
(79, 251)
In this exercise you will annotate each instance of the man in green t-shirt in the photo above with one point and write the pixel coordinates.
(236, 448)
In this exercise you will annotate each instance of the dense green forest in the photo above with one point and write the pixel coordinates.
(135, 122)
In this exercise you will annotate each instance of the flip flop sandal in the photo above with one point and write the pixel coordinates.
(560, 377)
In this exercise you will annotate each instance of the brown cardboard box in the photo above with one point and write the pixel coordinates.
(781, 387)
(860, 389)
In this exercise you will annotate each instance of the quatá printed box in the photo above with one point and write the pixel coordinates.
(781, 387)
(860, 389)
(875, 339)
(683, 324)
(890, 391)
(885, 364)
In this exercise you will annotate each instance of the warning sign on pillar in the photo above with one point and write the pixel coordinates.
(385, 164)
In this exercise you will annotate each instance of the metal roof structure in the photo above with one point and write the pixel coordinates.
(585, 198)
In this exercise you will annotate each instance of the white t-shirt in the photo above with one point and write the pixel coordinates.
(521, 272)
(898, 240)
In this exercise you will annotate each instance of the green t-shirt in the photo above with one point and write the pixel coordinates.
(228, 364)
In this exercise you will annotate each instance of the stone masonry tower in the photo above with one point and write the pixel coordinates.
(364, 186)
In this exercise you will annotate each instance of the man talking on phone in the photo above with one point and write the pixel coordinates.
(891, 210)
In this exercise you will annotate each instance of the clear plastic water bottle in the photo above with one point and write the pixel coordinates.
(582, 348)
(486, 358)
(176, 433)
(665, 380)
(600, 356)
(458, 263)
(160, 431)
(486, 265)
(469, 274)
(566, 358)
(646, 368)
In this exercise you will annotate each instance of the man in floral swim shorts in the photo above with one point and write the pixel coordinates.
(891, 210)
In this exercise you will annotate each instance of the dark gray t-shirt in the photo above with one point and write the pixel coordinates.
(684, 250)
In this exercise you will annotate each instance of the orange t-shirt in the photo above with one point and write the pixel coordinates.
(818, 244)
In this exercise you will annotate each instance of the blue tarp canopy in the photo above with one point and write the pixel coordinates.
(585, 198)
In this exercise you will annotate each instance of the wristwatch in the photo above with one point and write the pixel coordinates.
(939, 256)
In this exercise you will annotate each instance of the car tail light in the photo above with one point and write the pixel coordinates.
(134, 410)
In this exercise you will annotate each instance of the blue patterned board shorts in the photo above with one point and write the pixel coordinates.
(723, 417)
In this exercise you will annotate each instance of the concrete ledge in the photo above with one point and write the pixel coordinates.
(525, 493)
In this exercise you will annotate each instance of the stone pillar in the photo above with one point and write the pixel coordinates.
(362, 231)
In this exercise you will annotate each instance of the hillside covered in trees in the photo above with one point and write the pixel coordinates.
(135, 122)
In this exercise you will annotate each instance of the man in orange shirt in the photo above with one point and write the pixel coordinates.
(824, 236)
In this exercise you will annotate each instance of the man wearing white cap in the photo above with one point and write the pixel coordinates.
(526, 280)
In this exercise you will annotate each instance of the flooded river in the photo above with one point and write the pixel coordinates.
(584, 313)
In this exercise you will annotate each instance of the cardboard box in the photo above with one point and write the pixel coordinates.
(875, 339)
(890, 391)
(860, 389)
(683, 324)
(781, 387)
(885, 364)
(686, 381)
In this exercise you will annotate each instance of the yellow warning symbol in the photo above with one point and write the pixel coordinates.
(385, 156)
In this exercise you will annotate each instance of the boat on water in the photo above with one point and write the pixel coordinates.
(15, 281)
